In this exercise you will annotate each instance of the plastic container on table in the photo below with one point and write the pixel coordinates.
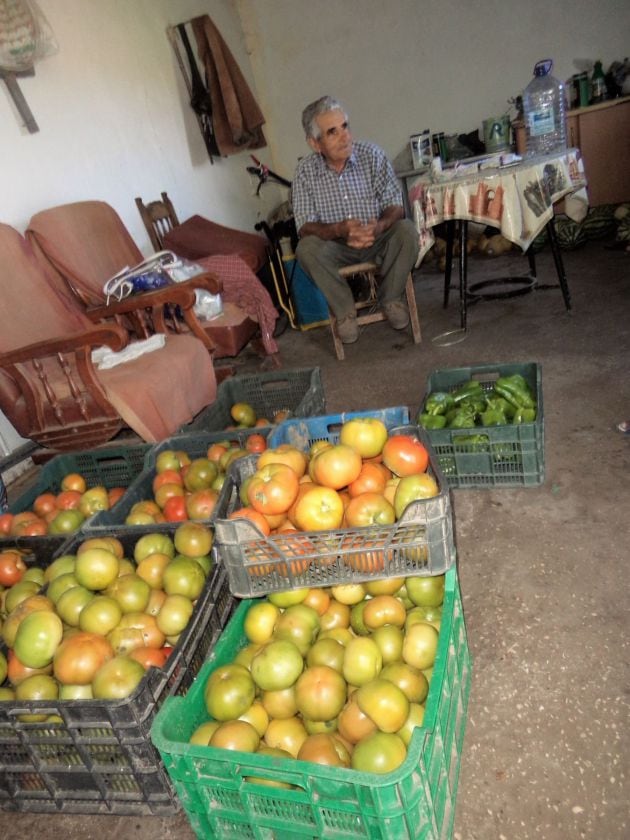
(544, 107)
(222, 799)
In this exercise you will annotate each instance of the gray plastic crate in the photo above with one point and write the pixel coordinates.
(419, 543)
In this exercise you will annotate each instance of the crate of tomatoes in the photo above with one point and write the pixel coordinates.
(97, 638)
(353, 497)
(269, 739)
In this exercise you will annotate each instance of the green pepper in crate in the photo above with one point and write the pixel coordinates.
(464, 418)
(493, 417)
(494, 400)
(472, 388)
(472, 443)
(515, 390)
(477, 403)
(524, 415)
(439, 402)
(432, 421)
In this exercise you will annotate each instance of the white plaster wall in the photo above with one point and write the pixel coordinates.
(405, 65)
(114, 119)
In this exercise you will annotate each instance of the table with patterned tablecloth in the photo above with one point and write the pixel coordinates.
(518, 199)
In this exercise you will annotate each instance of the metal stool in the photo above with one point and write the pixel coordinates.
(368, 311)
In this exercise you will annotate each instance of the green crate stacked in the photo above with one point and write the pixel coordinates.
(419, 543)
(417, 800)
(298, 392)
(109, 467)
(98, 757)
(490, 456)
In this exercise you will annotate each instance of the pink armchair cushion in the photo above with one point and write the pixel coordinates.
(198, 237)
(155, 394)
(86, 242)
(159, 392)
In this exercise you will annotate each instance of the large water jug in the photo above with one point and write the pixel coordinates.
(544, 106)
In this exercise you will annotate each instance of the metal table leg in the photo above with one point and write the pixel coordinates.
(557, 258)
(450, 239)
(463, 273)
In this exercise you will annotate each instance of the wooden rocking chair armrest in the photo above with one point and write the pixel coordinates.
(110, 335)
(208, 281)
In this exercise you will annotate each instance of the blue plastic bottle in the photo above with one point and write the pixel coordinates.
(544, 107)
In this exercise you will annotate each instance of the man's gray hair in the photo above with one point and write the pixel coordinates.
(321, 106)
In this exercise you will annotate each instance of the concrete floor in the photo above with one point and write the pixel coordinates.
(545, 590)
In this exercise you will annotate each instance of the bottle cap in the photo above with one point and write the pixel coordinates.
(541, 68)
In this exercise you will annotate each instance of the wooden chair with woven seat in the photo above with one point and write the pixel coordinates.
(368, 309)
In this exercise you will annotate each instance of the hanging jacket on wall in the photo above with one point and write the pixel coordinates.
(200, 100)
(236, 117)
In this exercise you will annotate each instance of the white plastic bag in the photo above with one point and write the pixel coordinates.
(207, 305)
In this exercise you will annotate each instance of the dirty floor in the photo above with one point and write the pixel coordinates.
(542, 570)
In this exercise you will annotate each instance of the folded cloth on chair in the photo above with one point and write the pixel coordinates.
(199, 237)
(104, 358)
(242, 287)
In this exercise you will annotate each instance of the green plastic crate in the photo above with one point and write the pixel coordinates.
(417, 800)
(513, 456)
(300, 392)
(112, 466)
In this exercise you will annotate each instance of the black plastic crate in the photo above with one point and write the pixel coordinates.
(100, 760)
(108, 467)
(300, 392)
(195, 445)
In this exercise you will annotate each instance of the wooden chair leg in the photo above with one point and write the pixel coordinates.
(336, 338)
(413, 310)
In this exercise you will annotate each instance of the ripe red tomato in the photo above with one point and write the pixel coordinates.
(166, 477)
(405, 455)
(68, 499)
(12, 567)
(175, 509)
(45, 503)
(150, 657)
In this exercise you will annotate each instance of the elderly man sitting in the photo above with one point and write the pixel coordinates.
(348, 208)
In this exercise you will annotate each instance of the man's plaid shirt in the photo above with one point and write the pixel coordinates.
(365, 187)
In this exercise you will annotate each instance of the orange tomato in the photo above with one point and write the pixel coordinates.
(254, 516)
(6, 520)
(370, 509)
(166, 477)
(114, 494)
(150, 656)
(336, 467)
(273, 488)
(285, 454)
(216, 450)
(371, 479)
(175, 509)
(256, 443)
(74, 481)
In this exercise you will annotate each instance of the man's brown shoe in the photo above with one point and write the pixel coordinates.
(348, 329)
(397, 314)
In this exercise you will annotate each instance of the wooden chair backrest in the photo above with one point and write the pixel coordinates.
(158, 217)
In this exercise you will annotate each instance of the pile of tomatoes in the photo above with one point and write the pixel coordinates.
(60, 513)
(335, 676)
(103, 619)
(368, 478)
